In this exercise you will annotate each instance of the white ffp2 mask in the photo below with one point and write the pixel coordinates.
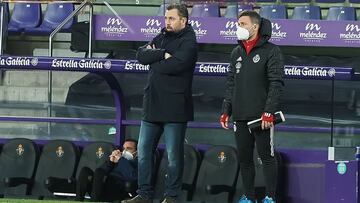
(127, 155)
(242, 33)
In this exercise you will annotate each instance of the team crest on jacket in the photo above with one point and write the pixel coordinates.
(238, 66)
(256, 58)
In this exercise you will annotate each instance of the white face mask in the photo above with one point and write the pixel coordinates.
(242, 33)
(127, 155)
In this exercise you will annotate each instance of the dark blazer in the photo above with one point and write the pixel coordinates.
(168, 94)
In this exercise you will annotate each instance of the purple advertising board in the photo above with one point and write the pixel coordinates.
(132, 66)
(222, 30)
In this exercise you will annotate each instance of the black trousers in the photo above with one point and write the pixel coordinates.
(264, 144)
(101, 185)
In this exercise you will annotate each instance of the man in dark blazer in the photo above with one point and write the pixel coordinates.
(167, 103)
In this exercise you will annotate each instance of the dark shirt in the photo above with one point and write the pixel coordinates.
(125, 170)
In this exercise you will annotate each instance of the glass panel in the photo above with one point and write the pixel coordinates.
(208, 94)
(210, 136)
(132, 132)
(130, 7)
(39, 130)
(132, 85)
(87, 97)
(307, 108)
(346, 114)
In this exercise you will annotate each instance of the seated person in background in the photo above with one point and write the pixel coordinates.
(106, 183)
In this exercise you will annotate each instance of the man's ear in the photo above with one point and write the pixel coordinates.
(183, 20)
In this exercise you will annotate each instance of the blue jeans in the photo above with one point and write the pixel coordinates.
(174, 135)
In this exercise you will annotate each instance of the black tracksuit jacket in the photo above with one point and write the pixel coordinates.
(254, 81)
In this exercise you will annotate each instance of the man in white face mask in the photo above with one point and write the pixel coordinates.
(253, 88)
(246, 30)
(106, 183)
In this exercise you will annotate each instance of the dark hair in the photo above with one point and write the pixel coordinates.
(181, 8)
(131, 140)
(254, 16)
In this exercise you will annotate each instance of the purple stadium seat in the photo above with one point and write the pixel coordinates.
(341, 13)
(273, 12)
(306, 12)
(25, 15)
(354, 1)
(55, 14)
(295, 1)
(211, 10)
(329, 1)
(232, 11)
(196, 10)
(205, 10)
(161, 10)
(242, 7)
(265, 1)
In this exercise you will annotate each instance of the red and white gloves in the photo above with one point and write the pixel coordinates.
(224, 120)
(267, 120)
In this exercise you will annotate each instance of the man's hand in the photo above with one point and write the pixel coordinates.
(115, 156)
(167, 55)
(224, 120)
(267, 120)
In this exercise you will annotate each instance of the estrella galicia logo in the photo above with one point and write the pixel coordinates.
(34, 61)
(309, 71)
(331, 72)
(198, 28)
(230, 30)
(277, 34)
(107, 64)
(312, 33)
(152, 27)
(114, 27)
(351, 34)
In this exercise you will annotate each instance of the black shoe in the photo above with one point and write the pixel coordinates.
(137, 199)
(169, 200)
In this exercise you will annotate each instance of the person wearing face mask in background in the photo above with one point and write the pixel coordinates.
(253, 89)
(106, 183)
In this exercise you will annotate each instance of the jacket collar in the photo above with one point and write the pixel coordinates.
(264, 33)
(177, 34)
